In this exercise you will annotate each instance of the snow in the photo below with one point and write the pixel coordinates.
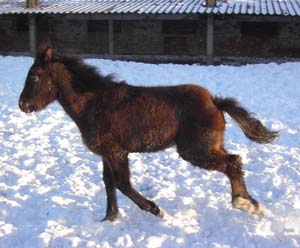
(51, 189)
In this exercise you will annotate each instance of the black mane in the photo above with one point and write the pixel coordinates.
(86, 78)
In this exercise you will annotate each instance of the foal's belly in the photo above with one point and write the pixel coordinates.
(145, 124)
(149, 139)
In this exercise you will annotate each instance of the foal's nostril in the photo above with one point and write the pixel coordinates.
(26, 107)
(21, 105)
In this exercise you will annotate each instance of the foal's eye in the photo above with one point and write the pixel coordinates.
(34, 78)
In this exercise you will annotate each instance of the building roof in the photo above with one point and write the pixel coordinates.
(243, 7)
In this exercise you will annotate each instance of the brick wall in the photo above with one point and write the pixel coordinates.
(14, 35)
(130, 37)
(139, 37)
(237, 37)
(233, 36)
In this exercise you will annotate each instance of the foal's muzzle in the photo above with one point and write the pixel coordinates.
(26, 107)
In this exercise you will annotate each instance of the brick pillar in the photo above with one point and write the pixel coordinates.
(210, 3)
(31, 3)
(111, 37)
(210, 39)
(32, 35)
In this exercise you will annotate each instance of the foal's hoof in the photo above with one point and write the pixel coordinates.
(112, 216)
(249, 205)
(156, 210)
(160, 213)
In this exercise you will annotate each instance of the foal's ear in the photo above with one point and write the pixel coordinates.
(44, 55)
(48, 54)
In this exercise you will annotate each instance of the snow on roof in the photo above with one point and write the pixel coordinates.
(244, 7)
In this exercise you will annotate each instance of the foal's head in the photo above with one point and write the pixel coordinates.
(39, 89)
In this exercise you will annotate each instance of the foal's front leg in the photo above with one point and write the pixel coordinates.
(110, 187)
(121, 174)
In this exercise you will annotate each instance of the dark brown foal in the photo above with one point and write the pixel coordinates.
(116, 119)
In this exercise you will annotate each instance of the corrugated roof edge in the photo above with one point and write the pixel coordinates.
(160, 7)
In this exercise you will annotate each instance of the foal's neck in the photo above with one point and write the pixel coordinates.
(73, 102)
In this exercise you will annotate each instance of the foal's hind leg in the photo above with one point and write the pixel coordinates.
(121, 174)
(231, 165)
(240, 196)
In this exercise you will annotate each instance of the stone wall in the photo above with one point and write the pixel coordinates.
(14, 33)
(234, 36)
(239, 37)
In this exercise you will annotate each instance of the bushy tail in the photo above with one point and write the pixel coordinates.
(251, 126)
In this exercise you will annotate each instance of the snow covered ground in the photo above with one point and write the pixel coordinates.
(51, 189)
